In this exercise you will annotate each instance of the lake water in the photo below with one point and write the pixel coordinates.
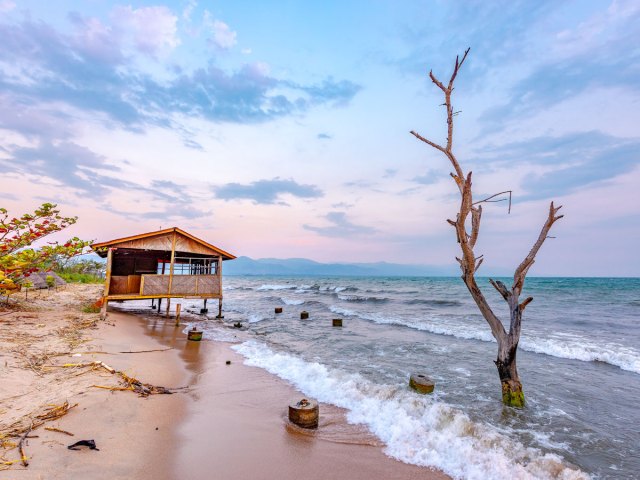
(579, 361)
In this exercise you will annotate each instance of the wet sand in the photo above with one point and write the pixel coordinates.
(229, 424)
(236, 426)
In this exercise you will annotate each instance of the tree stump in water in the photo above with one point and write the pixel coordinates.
(337, 322)
(278, 310)
(304, 315)
(304, 413)
(421, 383)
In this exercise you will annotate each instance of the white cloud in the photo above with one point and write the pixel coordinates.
(222, 36)
(153, 29)
(188, 10)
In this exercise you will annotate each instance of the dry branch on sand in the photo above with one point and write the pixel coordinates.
(22, 430)
(128, 383)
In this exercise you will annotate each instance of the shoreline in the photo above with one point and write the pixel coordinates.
(230, 422)
(239, 412)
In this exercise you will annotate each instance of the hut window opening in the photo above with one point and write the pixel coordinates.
(192, 266)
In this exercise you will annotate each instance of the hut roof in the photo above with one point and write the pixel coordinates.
(162, 240)
(39, 279)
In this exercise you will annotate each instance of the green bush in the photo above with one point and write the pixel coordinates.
(72, 277)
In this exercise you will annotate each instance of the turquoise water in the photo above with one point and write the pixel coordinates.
(579, 360)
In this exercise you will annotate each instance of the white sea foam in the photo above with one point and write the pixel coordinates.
(255, 318)
(291, 301)
(275, 287)
(359, 298)
(342, 311)
(416, 429)
(585, 350)
(563, 346)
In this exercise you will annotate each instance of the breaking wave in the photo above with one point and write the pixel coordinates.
(416, 429)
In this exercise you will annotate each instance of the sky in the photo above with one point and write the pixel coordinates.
(281, 129)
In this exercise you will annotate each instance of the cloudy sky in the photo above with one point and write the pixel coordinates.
(281, 129)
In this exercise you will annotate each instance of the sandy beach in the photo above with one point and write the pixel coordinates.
(223, 421)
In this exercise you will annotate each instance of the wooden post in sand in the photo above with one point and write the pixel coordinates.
(421, 383)
(304, 413)
(173, 259)
(178, 307)
(105, 295)
(219, 273)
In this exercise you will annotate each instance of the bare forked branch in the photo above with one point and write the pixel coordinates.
(523, 268)
(457, 67)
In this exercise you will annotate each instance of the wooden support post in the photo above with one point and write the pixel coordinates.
(173, 259)
(219, 274)
(178, 307)
(159, 303)
(107, 283)
(168, 306)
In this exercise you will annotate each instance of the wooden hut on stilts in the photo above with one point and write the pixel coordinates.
(168, 263)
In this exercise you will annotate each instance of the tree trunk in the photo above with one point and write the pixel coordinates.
(512, 393)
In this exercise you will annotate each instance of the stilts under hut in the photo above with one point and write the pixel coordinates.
(168, 263)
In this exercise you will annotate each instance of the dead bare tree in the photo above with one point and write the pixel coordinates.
(512, 393)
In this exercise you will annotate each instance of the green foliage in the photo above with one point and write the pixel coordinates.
(81, 271)
(51, 282)
(18, 259)
(91, 309)
(72, 277)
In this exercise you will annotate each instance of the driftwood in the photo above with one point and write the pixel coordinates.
(148, 351)
(54, 429)
(23, 457)
(22, 432)
(471, 212)
(129, 383)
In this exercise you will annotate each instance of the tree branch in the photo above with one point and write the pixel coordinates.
(428, 142)
(524, 304)
(501, 288)
(488, 199)
(457, 68)
(476, 213)
(523, 268)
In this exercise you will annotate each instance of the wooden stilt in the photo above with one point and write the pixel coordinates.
(173, 259)
(159, 303)
(107, 284)
(220, 309)
(178, 307)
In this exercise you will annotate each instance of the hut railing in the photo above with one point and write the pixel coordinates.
(181, 285)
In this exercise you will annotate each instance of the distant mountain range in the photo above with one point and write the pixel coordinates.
(303, 266)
